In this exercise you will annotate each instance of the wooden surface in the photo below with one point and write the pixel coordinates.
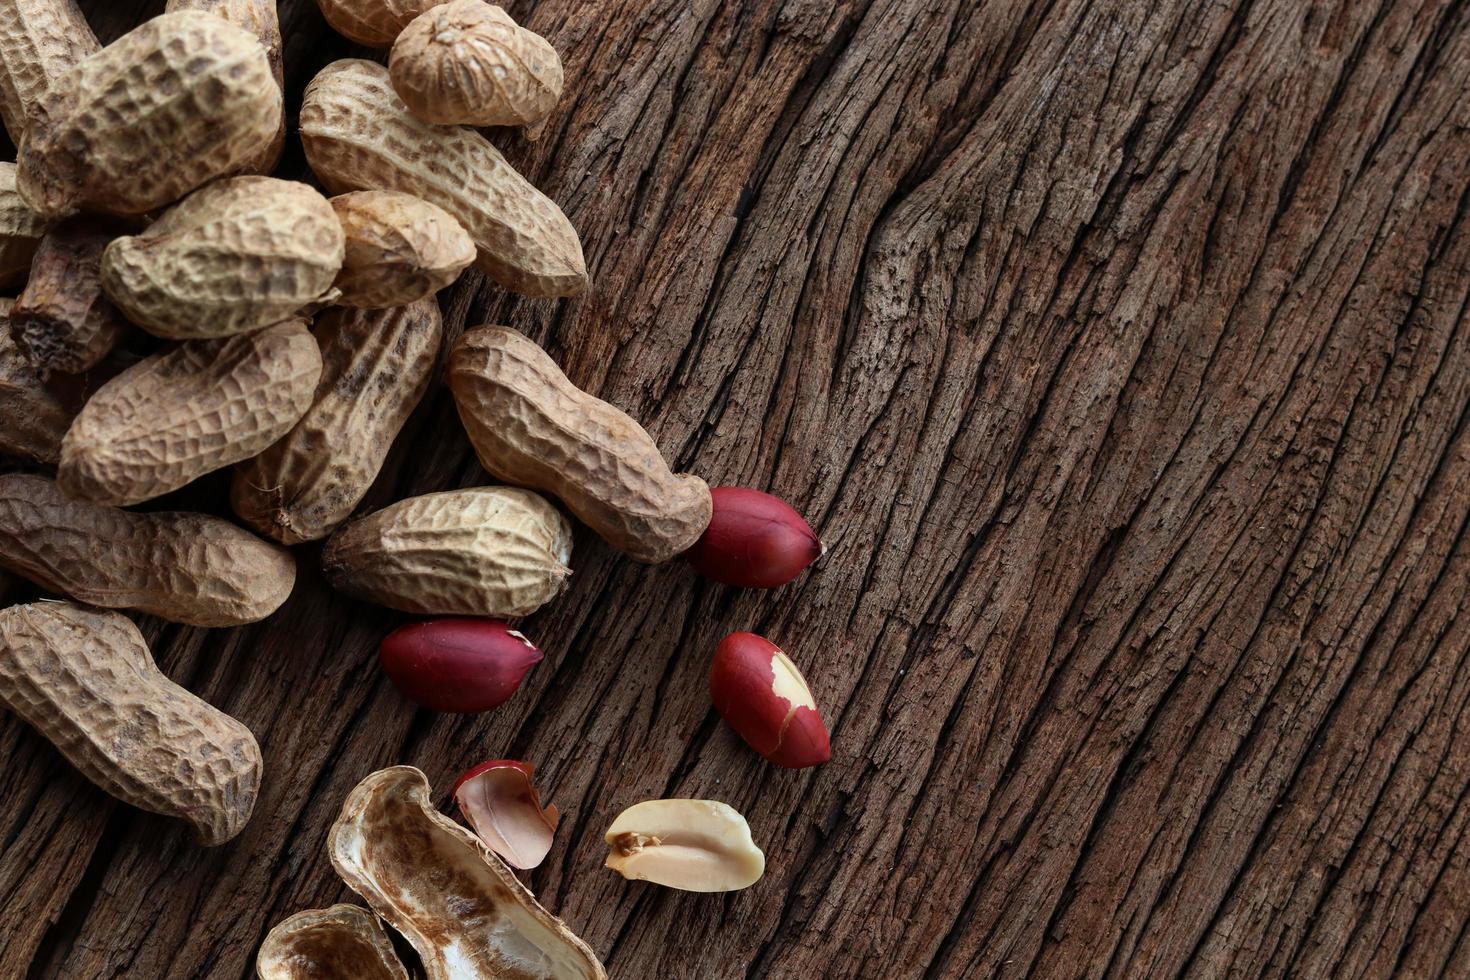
(1121, 353)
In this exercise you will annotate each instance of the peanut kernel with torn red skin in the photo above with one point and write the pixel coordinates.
(762, 695)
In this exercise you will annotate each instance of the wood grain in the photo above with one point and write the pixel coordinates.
(1120, 352)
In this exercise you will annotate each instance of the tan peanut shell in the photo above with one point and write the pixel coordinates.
(359, 135)
(261, 18)
(34, 418)
(376, 367)
(168, 107)
(532, 427)
(238, 255)
(467, 62)
(62, 321)
(399, 249)
(374, 23)
(490, 551)
(84, 678)
(187, 568)
(187, 411)
(20, 230)
(343, 942)
(40, 40)
(457, 904)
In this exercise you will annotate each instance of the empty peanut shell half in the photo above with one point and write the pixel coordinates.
(343, 942)
(692, 845)
(432, 880)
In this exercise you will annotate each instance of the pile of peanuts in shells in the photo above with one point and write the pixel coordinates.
(177, 311)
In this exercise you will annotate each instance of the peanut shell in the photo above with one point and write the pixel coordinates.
(532, 427)
(376, 367)
(467, 62)
(374, 23)
(187, 568)
(457, 904)
(261, 18)
(20, 230)
(35, 418)
(490, 551)
(343, 942)
(168, 107)
(62, 321)
(359, 135)
(85, 679)
(187, 411)
(40, 40)
(399, 249)
(238, 255)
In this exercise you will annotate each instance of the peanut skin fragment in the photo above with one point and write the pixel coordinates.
(187, 568)
(343, 942)
(85, 679)
(532, 427)
(465, 912)
(168, 107)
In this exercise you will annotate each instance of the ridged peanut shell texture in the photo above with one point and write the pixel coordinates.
(489, 551)
(359, 135)
(166, 108)
(467, 62)
(374, 23)
(190, 410)
(261, 18)
(62, 320)
(457, 904)
(187, 568)
(40, 40)
(35, 418)
(399, 249)
(376, 367)
(532, 427)
(236, 256)
(85, 679)
(20, 230)
(344, 942)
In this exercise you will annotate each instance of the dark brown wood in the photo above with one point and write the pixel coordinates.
(1121, 353)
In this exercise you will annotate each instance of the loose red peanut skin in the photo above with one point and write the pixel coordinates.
(754, 541)
(458, 665)
(742, 680)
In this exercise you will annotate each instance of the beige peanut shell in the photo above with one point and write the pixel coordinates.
(20, 230)
(399, 249)
(238, 255)
(40, 40)
(457, 904)
(84, 678)
(168, 107)
(261, 18)
(467, 62)
(343, 942)
(374, 23)
(187, 568)
(34, 418)
(376, 367)
(489, 551)
(187, 411)
(532, 427)
(62, 321)
(359, 135)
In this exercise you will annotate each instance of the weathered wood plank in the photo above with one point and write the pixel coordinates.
(1121, 353)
